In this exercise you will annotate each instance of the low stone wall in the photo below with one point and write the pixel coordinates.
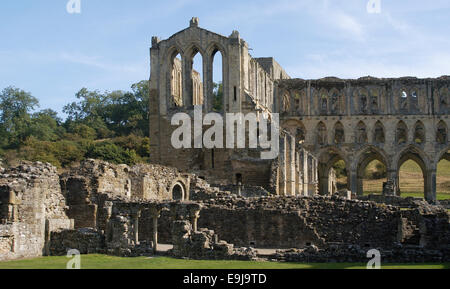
(394, 201)
(445, 204)
(87, 241)
(357, 254)
(291, 222)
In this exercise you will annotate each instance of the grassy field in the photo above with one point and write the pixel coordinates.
(109, 262)
(411, 181)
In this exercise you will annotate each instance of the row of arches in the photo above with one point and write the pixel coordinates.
(365, 100)
(361, 133)
(414, 174)
(195, 76)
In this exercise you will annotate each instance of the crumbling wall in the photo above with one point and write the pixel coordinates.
(36, 207)
(88, 186)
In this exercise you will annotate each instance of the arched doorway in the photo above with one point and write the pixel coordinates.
(412, 175)
(443, 177)
(371, 172)
(333, 173)
(178, 192)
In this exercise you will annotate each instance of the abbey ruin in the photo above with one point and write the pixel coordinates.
(194, 198)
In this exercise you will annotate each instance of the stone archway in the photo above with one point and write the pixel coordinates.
(328, 158)
(415, 154)
(178, 192)
(367, 156)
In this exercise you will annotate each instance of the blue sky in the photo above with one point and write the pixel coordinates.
(52, 54)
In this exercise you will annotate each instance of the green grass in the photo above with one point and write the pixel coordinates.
(110, 262)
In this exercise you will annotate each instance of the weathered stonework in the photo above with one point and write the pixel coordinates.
(32, 207)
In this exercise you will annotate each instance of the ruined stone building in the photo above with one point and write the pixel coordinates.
(249, 85)
(323, 121)
(196, 198)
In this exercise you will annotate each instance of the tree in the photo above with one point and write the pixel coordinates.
(15, 108)
(45, 126)
(218, 97)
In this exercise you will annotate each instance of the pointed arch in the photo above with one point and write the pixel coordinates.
(195, 57)
(419, 133)
(442, 133)
(361, 133)
(175, 77)
(374, 100)
(365, 157)
(444, 99)
(362, 97)
(322, 134)
(339, 133)
(335, 102)
(378, 133)
(401, 133)
(300, 135)
(323, 102)
(418, 156)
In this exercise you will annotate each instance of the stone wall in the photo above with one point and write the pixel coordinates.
(36, 207)
(88, 186)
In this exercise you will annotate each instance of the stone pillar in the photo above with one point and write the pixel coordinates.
(292, 174)
(136, 216)
(194, 215)
(283, 167)
(323, 180)
(155, 214)
(430, 186)
(305, 173)
(353, 181)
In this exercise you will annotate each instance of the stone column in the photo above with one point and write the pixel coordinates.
(292, 175)
(305, 173)
(155, 214)
(430, 186)
(194, 214)
(283, 167)
(353, 181)
(136, 216)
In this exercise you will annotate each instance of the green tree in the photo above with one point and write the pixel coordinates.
(218, 97)
(15, 108)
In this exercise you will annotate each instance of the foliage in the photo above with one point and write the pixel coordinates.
(218, 97)
(112, 126)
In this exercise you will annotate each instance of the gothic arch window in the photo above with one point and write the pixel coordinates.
(335, 102)
(374, 100)
(403, 101)
(299, 97)
(443, 99)
(441, 133)
(414, 100)
(286, 102)
(196, 61)
(216, 80)
(176, 80)
(363, 101)
(300, 133)
(321, 134)
(339, 133)
(323, 103)
(361, 133)
(378, 136)
(419, 133)
(401, 133)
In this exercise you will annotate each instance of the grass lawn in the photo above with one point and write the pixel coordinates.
(109, 262)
